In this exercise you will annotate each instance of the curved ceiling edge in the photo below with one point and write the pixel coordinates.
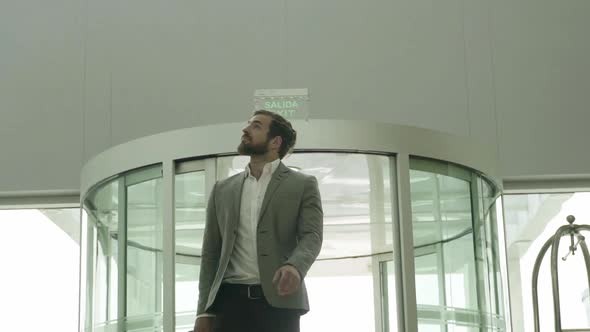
(315, 134)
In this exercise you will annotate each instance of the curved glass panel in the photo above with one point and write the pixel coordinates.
(456, 249)
(356, 198)
(352, 285)
(102, 255)
(490, 219)
(123, 253)
(144, 246)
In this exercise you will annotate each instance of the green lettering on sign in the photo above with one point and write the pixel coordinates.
(280, 104)
(289, 103)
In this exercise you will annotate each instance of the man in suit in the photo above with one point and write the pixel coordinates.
(263, 232)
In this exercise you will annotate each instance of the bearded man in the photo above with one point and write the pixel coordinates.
(263, 233)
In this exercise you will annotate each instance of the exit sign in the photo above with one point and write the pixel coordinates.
(290, 103)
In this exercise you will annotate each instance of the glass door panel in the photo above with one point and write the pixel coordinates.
(356, 191)
(451, 248)
(193, 182)
(190, 196)
(144, 275)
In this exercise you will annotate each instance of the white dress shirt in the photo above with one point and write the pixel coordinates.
(243, 263)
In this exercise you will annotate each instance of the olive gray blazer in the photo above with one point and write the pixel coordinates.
(289, 232)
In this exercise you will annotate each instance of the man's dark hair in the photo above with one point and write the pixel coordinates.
(279, 126)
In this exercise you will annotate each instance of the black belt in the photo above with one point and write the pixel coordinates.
(252, 292)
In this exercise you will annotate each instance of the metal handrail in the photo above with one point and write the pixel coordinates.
(553, 242)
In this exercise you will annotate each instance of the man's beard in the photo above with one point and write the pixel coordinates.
(253, 149)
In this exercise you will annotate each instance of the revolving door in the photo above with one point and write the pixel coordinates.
(412, 242)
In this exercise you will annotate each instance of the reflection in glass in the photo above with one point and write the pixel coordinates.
(101, 207)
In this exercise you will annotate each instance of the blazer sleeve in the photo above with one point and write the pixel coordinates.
(310, 223)
(210, 253)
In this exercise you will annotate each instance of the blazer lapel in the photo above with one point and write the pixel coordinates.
(281, 172)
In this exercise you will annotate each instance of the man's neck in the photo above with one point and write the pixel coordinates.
(257, 164)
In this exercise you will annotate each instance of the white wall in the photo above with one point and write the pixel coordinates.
(542, 74)
(87, 75)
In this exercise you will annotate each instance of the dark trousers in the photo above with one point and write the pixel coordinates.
(236, 312)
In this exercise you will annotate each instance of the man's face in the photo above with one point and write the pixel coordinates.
(255, 136)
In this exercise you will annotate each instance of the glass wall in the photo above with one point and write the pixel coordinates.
(122, 242)
(144, 273)
(100, 238)
(352, 285)
(459, 287)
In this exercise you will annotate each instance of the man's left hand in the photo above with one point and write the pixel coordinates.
(286, 280)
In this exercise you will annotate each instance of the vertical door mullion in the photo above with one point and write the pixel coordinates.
(442, 285)
(122, 256)
(168, 246)
(384, 296)
(479, 252)
(91, 247)
(377, 232)
(439, 252)
(503, 252)
(377, 291)
(397, 256)
(108, 280)
(404, 247)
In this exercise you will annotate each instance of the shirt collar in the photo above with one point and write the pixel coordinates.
(268, 167)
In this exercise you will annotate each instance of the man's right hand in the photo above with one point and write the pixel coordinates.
(204, 324)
